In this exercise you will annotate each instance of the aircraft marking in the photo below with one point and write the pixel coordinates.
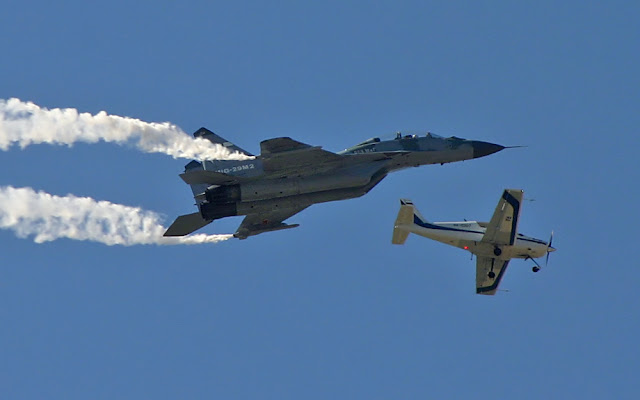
(237, 168)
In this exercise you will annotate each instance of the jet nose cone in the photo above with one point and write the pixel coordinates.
(481, 149)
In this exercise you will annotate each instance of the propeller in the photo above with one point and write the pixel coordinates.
(550, 249)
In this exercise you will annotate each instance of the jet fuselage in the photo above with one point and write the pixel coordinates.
(289, 176)
(272, 182)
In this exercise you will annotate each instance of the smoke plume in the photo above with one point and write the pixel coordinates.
(47, 217)
(25, 123)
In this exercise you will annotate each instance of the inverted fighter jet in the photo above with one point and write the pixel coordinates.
(494, 243)
(289, 176)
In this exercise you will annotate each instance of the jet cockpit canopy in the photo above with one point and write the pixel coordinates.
(414, 135)
(409, 135)
(369, 141)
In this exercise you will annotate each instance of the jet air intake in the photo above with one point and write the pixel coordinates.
(223, 194)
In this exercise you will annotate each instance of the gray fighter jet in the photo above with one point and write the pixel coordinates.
(289, 176)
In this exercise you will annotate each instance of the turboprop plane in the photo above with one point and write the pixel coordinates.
(494, 243)
(289, 176)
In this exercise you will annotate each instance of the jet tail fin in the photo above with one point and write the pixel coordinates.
(212, 137)
(185, 224)
(403, 221)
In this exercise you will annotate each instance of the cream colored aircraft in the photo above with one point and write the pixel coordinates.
(494, 243)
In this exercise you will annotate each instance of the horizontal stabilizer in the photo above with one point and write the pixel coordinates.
(185, 224)
(199, 176)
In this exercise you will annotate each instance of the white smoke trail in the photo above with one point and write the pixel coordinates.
(48, 217)
(25, 123)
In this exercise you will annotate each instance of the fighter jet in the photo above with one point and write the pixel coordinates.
(289, 176)
(494, 243)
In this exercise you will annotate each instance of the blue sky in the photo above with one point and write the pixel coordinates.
(331, 309)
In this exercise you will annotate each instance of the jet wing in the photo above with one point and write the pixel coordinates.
(503, 227)
(489, 273)
(254, 224)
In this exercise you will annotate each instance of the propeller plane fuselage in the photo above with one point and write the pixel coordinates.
(467, 235)
(494, 243)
